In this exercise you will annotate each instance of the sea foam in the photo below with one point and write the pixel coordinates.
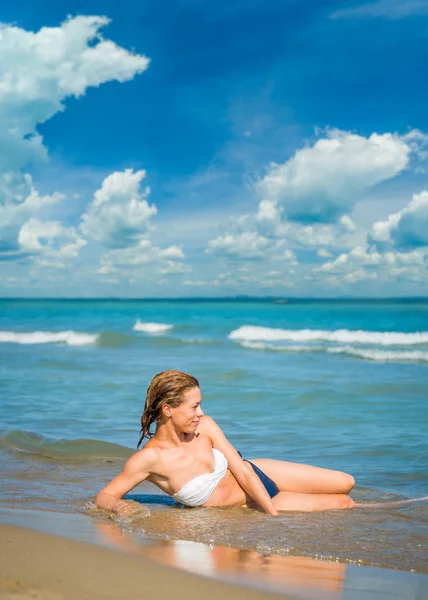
(364, 353)
(251, 333)
(153, 328)
(70, 338)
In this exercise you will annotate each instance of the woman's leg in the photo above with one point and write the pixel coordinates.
(294, 477)
(311, 502)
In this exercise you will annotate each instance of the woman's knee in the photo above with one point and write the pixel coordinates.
(349, 482)
(345, 501)
(346, 483)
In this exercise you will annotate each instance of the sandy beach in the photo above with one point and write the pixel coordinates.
(53, 556)
(39, 566)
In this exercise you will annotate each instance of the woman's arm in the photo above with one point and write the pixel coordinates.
(243, 473)
(136, 469)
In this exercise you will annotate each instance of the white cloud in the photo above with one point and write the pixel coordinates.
(323, 182)
(196, 283)
(19, 200)
(246, 245)
(268, 211)
(365, 263)
(407, 228)
(347, 223)
(174, 268)
(49, 241)
(391, 9)
(144, 256)
(290, 257)
(119, 215)
(323, 253)
(38, 71)
(359, 275)
(311, 236)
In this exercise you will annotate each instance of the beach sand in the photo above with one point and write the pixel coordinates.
(47, 555)
(41, 566)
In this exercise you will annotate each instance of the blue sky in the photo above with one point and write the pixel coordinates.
(194, 149)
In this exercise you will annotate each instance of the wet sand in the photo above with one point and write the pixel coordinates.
(117, 561)
(41, 566)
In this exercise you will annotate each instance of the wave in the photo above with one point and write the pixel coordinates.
(62, 450)
(365, 353)
(384, 355)
(70, 338)
(153, 328)
(250, 333)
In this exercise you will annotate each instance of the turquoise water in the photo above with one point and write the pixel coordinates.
(341, 384)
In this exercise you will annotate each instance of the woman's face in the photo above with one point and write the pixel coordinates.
(188, 414)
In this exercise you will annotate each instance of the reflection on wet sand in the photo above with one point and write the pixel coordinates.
(288, 574)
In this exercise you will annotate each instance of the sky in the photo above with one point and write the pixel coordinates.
(194, 149)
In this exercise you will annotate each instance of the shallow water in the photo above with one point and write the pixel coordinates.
(336, 384)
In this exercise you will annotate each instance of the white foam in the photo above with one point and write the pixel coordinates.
(153, 328)
(366, 353)
(250, 333)
(71, 338)
(383, 355)
(289, 348)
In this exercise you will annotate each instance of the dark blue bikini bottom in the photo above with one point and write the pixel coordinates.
(271, 487)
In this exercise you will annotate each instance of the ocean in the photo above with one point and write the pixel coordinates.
(336, 383)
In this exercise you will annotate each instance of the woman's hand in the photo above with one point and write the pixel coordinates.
(123, 508)
(136, 469)
(130, 508)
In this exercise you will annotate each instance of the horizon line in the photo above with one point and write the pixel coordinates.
(208, 298)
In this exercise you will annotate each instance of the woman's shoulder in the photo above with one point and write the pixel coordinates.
(147, 455)
(207, 426)
(205, 423)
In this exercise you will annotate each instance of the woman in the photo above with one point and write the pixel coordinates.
(190, 459)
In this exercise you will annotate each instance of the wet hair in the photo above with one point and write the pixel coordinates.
(167, 387)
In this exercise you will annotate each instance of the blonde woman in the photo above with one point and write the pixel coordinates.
(189, 458)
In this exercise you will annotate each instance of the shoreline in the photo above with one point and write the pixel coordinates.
(48, 567)
(41, 552)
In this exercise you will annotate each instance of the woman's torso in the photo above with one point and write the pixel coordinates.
(176, 466)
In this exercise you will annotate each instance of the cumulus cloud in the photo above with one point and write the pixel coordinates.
(322, 183)
(144, 254)
(407, 228)
(246, 245)
(306, 202)
(311, 236)
(119, 217)
(365, 263)
(323, 253)
(50, 241)
(290, 257)
(19, 200)
(38, 72)
(347, 223)
(119, 214)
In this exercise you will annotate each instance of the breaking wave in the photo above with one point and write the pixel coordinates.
(250, 333)
(364, 353)
(153, 328)
(70, 338)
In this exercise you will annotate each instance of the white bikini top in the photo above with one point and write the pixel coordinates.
(197, 491)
